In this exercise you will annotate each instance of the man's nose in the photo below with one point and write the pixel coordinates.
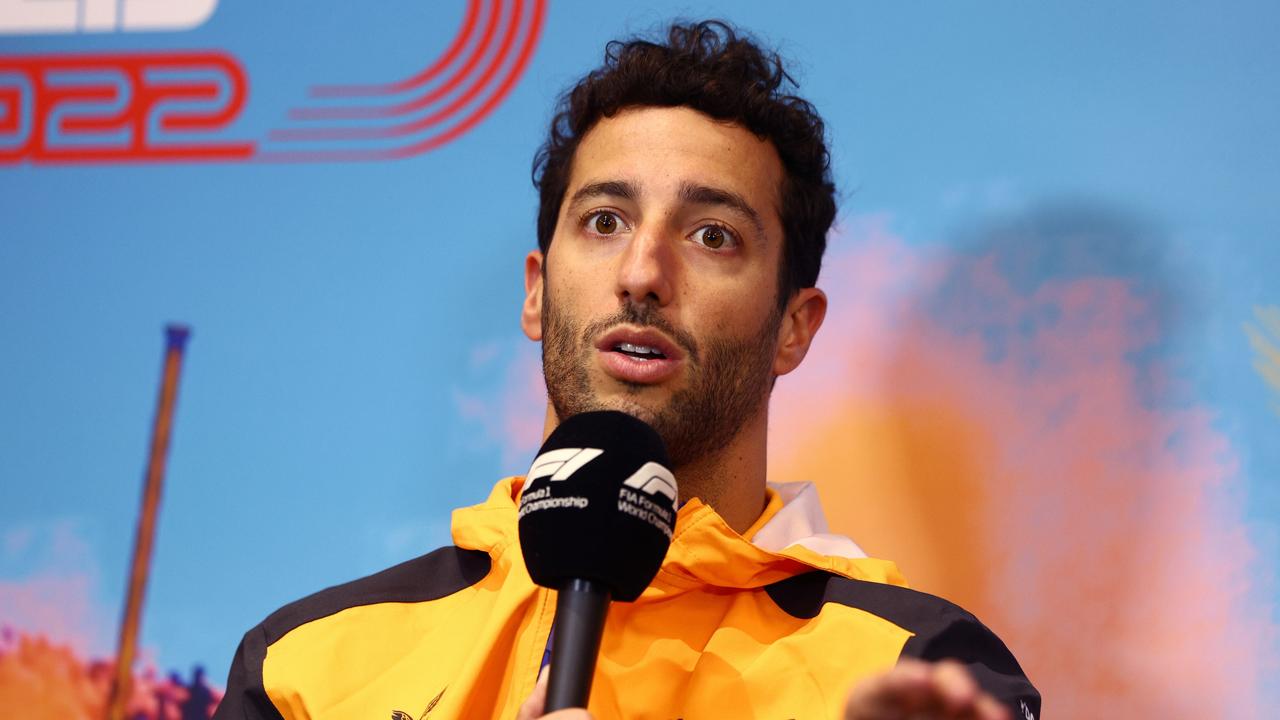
(647, 267)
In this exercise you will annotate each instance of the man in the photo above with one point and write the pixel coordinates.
(685, 202)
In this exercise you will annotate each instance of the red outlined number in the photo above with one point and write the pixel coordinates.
(119, 107)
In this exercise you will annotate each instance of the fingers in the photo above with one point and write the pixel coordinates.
(990, 709)
(533, 708)
(889, 695)
(537, 702)
(955, 689)
(914, 689)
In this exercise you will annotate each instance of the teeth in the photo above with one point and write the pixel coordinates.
(638, 349)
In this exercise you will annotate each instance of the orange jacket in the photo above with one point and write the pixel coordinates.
(727, 629)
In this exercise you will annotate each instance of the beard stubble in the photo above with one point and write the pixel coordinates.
(725, 385)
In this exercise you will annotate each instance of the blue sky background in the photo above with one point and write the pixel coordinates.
(341, 310)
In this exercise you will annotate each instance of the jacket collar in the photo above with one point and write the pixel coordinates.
(793, 539)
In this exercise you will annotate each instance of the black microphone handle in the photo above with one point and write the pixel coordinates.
(580, 612)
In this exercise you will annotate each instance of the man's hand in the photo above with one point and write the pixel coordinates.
(922, 691)
(537, 703)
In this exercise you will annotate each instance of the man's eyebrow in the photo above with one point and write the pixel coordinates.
(705, 195)
(691, 193)
(608, 188)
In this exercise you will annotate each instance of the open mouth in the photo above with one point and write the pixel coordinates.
(640, 352)
(639, 355)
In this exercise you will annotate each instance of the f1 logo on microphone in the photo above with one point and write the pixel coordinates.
(562, 463)
(654, 479)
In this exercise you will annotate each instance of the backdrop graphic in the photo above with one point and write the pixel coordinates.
(1049, 384)
(163, 106)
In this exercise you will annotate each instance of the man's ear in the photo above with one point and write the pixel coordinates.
(531, 311)
(800, 322)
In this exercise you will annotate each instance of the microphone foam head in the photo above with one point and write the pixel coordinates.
(599, 504)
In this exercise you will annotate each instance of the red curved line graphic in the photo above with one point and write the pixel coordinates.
(392, 131)
(504, 89)
(352, 113)
(431, 143)
(450, 54)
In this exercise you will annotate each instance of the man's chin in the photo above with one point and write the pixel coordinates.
(627, 402)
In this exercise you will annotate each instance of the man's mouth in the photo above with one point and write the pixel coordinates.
(639, 355)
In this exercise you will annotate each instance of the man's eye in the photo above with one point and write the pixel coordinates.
(604, 223)
(715, 237)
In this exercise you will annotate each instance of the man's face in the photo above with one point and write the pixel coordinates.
(660, 290)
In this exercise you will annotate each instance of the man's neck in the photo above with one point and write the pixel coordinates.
(731, 481)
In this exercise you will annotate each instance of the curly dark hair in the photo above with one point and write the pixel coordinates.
(708, 67)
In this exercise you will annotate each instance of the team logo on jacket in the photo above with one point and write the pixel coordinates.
(402, 715)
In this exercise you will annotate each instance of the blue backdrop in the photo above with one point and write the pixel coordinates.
(352, 271)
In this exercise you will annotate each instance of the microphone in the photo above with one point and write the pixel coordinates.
(595, 520)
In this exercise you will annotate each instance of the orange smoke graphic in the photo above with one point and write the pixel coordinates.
(41, 680)
(999, 439)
